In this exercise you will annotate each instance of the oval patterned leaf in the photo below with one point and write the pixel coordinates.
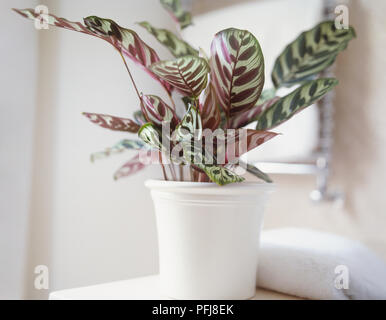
(237, 70)
(129, 168)
(188, 74)
(310, 53)
(175, 45)
(209, 108)
(119, 147)
(157, 111)
(125, 40)
(174, 7)
(112, 122)
(294, 102)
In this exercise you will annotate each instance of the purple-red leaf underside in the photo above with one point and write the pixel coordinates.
(242, 119)
(112, 122)
(129, 168)
(124, 40)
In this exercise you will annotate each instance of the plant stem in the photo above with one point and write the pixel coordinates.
(163, 167)
(181, 172)
(131, 77)
(171, 99)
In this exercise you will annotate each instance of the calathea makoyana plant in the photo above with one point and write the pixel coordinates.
(219, 95)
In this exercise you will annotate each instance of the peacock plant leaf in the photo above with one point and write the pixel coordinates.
(174, 44)
(288, 106)
(112, 122)
(124, 40)
(174, 7)
(221, 175)
(310, 53)
(188, 74)
(256, 172)
(237, 70)
(119, 147)
(241, 141)
(190, 126)
(209, 108)
(251, 115)
(129, 168)
(149, 134)
(157, 111)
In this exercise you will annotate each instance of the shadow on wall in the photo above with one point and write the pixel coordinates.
(357, 164)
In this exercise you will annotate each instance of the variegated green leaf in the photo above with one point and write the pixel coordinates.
(237, 70)
(310, 53)
(256, 172)
(124, 40)
(174, 44)
(119, 147)
(149, 134)
(221, 175)
(266, 95)
(294, 102)
(157, 111)
(190, 126)
(174, 7)
(188, 74)
(112, 122)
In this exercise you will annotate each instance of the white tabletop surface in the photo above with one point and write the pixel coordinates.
(145, 288)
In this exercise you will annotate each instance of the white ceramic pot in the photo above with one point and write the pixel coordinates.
(208, 237)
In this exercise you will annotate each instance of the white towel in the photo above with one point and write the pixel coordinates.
(319, 265)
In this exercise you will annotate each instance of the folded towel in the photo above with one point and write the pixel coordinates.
(319, 265)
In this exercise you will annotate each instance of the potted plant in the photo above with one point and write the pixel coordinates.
(208, 222)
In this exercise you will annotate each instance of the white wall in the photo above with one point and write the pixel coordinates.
(18, 54)
(99, 230)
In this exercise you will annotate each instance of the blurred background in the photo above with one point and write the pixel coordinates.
(58, 209)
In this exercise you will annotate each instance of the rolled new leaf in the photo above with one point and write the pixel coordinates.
(190, 126)
(174, 7)
(237, 70)
(175, 45)
(119, 147)
(188, 74)
(112, 122)
(157, 111)
(124, 40)
(310, 53)
(149, 134)
(209, 108)
(294, 102)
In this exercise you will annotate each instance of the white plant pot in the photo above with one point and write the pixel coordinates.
(208, 237)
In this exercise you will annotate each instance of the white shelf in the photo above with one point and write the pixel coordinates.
(145, 288)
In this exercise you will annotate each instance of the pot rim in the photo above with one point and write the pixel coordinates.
(246, 187)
